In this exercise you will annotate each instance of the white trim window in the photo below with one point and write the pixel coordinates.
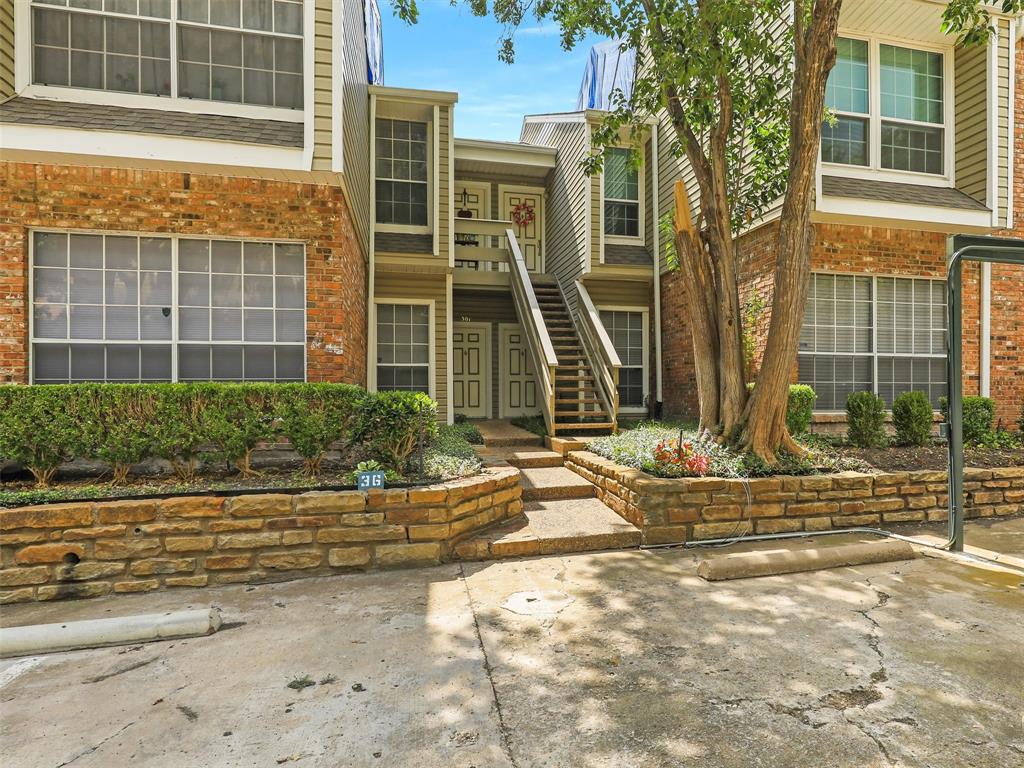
(621, 184)
(401, 162)
(627, 330)
(403, 346)
(236, 51)
(890, 108)
(881, 334)
(124, 308)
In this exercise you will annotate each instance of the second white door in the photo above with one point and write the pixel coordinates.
(470, 365)
(518, 385)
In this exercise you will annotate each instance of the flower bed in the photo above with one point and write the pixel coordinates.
(85, 549)
(688, 508)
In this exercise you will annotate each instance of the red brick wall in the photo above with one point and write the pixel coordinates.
(679, 384)
(72, 197)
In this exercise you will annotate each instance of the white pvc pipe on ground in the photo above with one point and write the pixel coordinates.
(747, 565)
(144, 628)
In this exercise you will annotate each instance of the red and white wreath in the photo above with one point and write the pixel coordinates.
(523, 215)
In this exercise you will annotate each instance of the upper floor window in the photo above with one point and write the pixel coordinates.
(621, 195)
(889, 108)
(401, 172)
(242, 51)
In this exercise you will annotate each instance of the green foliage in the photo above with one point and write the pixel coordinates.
(752, 310)
(912, 418)
(41, 427)
(372, 465)
(972, 22)
(800, 408)
(450, 455)
(315, 416)
(179, 429)
(124, 415)
(240, 418)
(978, 415)
(533, 424)
(469, 431)
(865, 420)
(391, 425)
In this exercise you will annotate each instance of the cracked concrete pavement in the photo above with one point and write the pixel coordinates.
(621, 659)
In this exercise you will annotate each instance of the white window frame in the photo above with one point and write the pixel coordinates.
(432, 171)
(174, 342)
(874, 354)
(640, 238)
(173, 103)
(645, 313)
(432, 351)
(874, 169)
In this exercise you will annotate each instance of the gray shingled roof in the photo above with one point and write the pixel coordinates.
(633, 255)
(67, 114)
(401, 242)
(899, 192)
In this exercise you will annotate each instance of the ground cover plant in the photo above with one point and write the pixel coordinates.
(162, 439)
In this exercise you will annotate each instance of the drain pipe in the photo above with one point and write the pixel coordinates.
(655, 214)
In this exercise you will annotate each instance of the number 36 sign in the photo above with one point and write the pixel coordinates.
(368, 480)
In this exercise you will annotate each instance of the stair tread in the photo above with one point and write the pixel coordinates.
(545, 483)
(571, 425)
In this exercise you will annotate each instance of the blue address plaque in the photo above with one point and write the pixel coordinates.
(368, 480)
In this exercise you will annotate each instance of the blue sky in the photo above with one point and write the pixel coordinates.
(452, 50)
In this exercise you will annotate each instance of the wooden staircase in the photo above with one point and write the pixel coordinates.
(578, 406)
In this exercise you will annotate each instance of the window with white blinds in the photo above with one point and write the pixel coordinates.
(626, 330)
(124, 308)
(882, 334)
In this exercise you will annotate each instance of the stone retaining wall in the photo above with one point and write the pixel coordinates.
(86, 549)
(706, 507)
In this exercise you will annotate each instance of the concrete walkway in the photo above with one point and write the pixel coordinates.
(610, 660)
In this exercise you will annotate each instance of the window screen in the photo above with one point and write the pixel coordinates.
(626, 330)
(846, 139)
(621, 195)
(403, 347)
(886, 335)
(103, 309)
(401, 172)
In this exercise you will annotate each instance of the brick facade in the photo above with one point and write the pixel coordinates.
(85, 198)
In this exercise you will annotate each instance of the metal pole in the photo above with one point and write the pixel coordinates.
(955, 405)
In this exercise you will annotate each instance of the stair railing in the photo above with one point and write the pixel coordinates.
(542, 352)
(597, 346)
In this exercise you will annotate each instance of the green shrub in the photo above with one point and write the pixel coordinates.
(450, 455)
(40, 427)
(180, 425)
(392, 424)
(469, 431)
(124, 416)
(533, 424)
(978, 415)
(912, 418)
(241, 417)
(799, 408)
(865, 420)
(314, 416)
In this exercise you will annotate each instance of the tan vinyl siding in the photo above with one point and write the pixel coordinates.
(565, 251)
(443, 187)
(322, 102)
(492, 308)
(6, 49)
(596, 220)
(355, 121)
(624, 293)
(970, 120)
(395, 286)
(1003, 75)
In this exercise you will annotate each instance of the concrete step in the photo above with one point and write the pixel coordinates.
(522, 458)
(551, 483)
(550, 528)
(501, 434)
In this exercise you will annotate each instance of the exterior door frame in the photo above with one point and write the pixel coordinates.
(542, 227)
(503, 377)
(485, 361)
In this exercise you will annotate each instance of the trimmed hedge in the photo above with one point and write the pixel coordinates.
(912, 418)
(43, 426)
(865, 420)
(799, 408)
(979, 414)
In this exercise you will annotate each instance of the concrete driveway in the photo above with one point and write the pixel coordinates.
(621, 660)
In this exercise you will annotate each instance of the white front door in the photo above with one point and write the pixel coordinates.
(526, 204)
(470, 365)
(518, 385)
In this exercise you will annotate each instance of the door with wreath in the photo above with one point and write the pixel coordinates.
(524, 207)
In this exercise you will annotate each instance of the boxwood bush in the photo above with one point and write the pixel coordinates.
(912, 418)
(799, 408)
(865, 420)
(978, 415)
(43, 426)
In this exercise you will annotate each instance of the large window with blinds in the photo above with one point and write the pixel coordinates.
(403, 346)
(626, 330)
(881, 334)
(241, 51)
(124, 308)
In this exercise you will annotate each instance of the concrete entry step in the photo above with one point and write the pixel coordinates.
(551, 483)
(502, 434)
(522, 458)
(551, 528)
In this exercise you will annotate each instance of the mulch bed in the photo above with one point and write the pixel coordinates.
(933, 457)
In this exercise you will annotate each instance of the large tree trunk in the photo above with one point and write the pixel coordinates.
(765, 432)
